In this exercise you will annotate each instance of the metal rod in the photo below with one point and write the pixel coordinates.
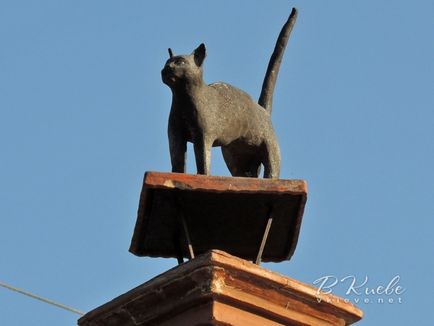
(187, 237)
(264, 241)
(180, 255)
(178, 248)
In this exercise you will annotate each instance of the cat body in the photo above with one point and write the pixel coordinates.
(219, 114)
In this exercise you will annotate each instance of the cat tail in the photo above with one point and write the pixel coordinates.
(266, 98)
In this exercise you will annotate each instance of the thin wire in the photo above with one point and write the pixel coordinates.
(34, 296)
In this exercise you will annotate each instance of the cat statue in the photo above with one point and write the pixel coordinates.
(219, 114)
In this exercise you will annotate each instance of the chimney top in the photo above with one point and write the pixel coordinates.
(219, 289)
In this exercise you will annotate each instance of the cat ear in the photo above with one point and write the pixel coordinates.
(199, 54)
(170, 53)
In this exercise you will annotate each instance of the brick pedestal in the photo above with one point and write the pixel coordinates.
(219, 289)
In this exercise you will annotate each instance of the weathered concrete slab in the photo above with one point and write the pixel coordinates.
(223, 213)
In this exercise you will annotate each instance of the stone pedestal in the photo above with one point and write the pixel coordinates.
(216, 288)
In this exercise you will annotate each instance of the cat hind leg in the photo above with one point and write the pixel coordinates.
(272, 160)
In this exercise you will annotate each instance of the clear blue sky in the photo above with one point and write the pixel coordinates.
(83, 114)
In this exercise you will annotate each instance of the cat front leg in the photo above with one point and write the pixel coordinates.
(178, 154)
(202, 152)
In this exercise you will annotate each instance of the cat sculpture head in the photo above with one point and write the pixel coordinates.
(181, 71)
